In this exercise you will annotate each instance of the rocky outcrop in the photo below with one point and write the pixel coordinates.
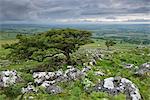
(115, 85)
(29, 89)
(8, 78)
(73, 73)
(144, 69)
(49, 80)
(58, 76)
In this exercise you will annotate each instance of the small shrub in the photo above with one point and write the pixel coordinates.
(14, 90)
(27, 77)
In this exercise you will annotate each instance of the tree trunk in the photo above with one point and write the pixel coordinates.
(68, 58)
(108, 48)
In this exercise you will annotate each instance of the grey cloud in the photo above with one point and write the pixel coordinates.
(13, 10)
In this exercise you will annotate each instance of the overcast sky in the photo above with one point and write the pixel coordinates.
(74, 10)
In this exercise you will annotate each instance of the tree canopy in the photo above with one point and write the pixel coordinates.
(109, 43)
(40, 46)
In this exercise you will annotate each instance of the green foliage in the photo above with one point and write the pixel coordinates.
(91, 76)
(79, 57)
(27, 77)
(40, 46)
(14, 90)
(109, 43)
(99, 96)
(2, 97)
(120, 97)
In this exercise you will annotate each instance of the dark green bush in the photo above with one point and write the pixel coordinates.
(14, 90)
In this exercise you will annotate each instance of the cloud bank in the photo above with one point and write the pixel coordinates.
(75, 10)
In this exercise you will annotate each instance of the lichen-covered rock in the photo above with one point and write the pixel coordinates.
(48, 83)
(128, 66)
(115, 85)
(86, 69)
(99, 73)
(92, 62)
(8, 78)
(144, 69)
(73, 73)
(48, 80)
(29, 89)
(40, 77)
(52, 89)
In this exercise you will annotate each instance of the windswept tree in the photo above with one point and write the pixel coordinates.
(109, 43)
(40, 46)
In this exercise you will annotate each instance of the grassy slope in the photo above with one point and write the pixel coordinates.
(111, 67)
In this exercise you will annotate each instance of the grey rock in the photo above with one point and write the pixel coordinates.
(99, 73)
(129, 65)
(29, 89)
(115, 85)
(86, 69)
(143, 69)
(8, 78)
(52, 89)
(73, 74)
(48, 83)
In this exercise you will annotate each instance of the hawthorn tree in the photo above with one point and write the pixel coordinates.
(109, 43)
(40, 46)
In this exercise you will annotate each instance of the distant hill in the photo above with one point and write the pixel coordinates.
(116, 31)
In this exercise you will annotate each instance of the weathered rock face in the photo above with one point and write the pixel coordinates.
(8, 78)
(99, 73)
(86, 69)
(115, 85)
(59, 76)
(144, 69)
(40, 77)
(52, 89)
(29, 89)
(73, 74)
(50, 79)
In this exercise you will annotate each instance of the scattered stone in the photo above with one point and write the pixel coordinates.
(48, 83)
(29, 89)
(144, 69)
(69, 67)
(115, 85)
(86, 69)
(8, 78)
(129, 65)
(40, 77)
(99, 73)
(52, 89)
(73, 74)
